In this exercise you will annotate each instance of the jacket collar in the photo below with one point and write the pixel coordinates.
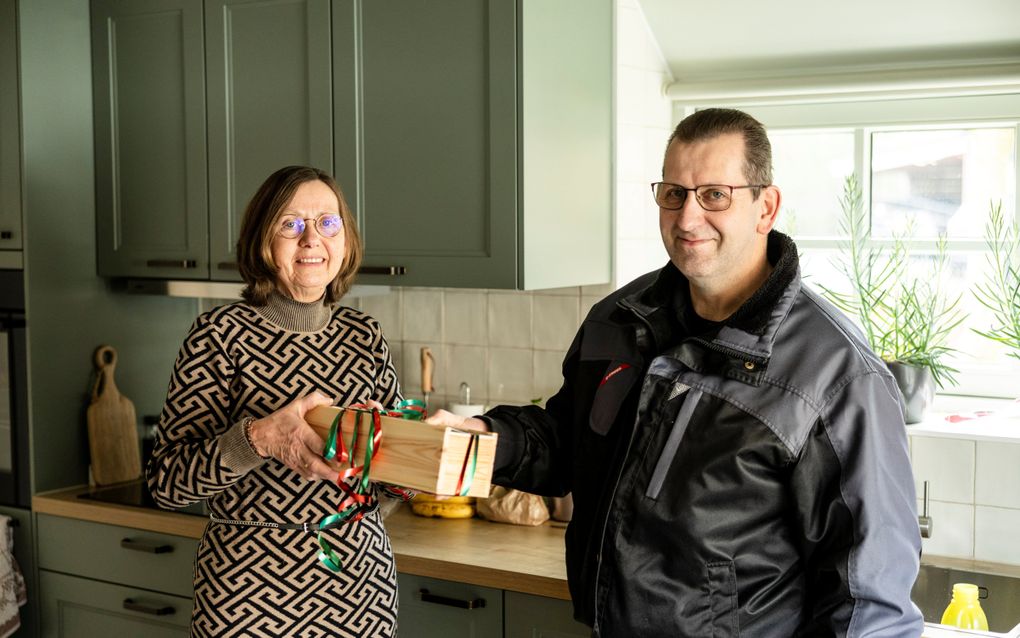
(749, 331)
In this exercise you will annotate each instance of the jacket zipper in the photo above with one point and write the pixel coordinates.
(612, 497)
(736, 354)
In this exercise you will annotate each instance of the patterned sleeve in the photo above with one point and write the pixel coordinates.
(198, 451)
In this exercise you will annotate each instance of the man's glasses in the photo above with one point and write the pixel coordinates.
(292, 226)
(712, 197)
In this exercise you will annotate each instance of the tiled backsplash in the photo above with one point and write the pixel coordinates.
(508, 346)
(974, 494)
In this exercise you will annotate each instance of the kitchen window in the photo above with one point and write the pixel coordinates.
(926, 167)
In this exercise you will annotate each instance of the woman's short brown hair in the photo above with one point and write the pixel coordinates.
(254, 253)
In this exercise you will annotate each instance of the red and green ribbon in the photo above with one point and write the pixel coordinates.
(358, 499)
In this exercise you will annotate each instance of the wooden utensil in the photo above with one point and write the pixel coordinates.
(427, 365)
(113, 434)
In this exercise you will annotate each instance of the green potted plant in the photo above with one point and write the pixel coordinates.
(906, 319)
(1000, 292)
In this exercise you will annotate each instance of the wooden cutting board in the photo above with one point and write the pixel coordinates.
(113, 434)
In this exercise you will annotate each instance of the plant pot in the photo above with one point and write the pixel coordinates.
(917, 389)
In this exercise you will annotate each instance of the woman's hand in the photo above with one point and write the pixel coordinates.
(449, 419)
(284, 435)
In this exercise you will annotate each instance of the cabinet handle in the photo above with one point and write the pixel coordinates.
(382, 270)
(6, 234)
(164, 610)
(426, 597)
(172, 263)
(143, 546)
(227, 265)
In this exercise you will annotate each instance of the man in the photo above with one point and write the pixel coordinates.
(736, 453)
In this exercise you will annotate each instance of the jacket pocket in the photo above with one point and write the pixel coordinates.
(722, 599)
(610, 395)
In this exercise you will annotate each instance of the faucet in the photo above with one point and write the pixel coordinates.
(924, 521)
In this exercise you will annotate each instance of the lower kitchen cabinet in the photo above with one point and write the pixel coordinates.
(73, 607)
(433, 607)
(430, 607)
(530, 616)
(106, 580)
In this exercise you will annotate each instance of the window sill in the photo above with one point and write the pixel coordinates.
(1002, 425)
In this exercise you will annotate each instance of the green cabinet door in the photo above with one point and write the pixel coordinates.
(530, 616)
(433, 608)
(430, 91)
(74, 607)
(269, 105)
(10, 145)
(149, 101)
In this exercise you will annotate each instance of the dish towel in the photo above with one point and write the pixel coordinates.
(12, 583)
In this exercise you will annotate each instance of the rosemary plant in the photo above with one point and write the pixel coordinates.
(1000, 292)
(905, 318)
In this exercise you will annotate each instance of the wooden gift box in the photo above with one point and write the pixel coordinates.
(413, 454)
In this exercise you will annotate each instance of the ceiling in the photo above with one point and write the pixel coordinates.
(738, 37)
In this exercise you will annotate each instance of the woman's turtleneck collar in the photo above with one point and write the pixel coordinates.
(293, 315)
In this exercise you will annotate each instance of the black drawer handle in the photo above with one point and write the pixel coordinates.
(131, 605)
(426, 597)
(144, 546)
(227, 265)
(172, 263)
(6, 234)
(382, 270)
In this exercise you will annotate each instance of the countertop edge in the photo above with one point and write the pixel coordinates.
(65, 503)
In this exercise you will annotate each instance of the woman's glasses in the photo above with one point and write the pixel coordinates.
(327, 224)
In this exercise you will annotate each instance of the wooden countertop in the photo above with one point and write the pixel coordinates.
(513, 557)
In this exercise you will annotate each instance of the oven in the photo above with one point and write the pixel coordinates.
(14, 452)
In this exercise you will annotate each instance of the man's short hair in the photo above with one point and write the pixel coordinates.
(709, 123)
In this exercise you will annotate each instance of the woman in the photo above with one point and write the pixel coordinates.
(233, 432)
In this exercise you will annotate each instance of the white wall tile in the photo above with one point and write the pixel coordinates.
(631, 159)
(995, 534)
(386, 310)
(548, 373)
(466, 318)
(952, 530)
(467, 364)
(555, 322)
(510, 320)
(998, 474)
(587, 301)
(633, 217)
(510, 375)
(948, 466)
(569, 291)
(423, 314)
(601, 290)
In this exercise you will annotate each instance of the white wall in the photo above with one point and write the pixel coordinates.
(643, 124)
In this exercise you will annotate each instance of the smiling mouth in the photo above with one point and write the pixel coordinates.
(311, 260)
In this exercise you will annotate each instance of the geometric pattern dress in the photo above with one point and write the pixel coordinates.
(239, 360)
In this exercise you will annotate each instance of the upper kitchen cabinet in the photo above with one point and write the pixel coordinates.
(257, 72)
(10, 136)
(269, 105)
(479, 152)
(149, 95)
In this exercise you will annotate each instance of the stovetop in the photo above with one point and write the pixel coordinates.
(136, 494)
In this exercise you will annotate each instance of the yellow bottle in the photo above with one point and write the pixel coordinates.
(964, 611)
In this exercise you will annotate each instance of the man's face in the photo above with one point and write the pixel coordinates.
(715, 249)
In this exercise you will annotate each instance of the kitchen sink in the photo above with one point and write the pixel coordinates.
(1000, 594)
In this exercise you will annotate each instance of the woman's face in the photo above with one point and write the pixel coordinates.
(306, 264)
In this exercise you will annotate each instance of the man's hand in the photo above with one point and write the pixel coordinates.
(449, 419)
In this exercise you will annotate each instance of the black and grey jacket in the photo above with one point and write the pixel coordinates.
(755, 483)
